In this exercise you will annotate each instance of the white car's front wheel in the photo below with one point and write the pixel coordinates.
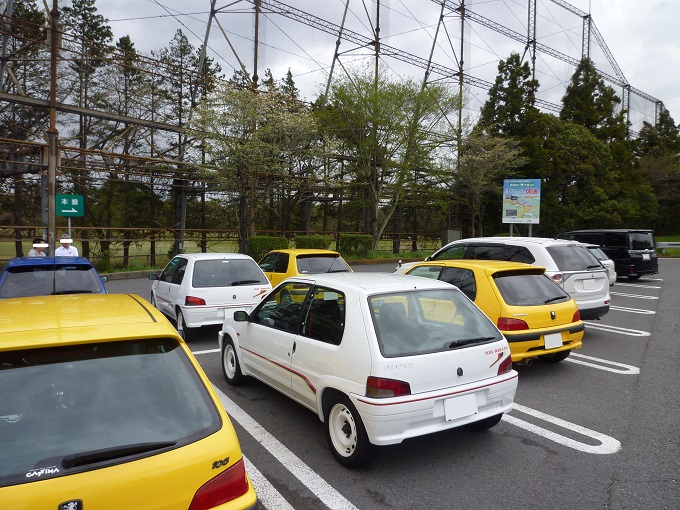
(345, 432)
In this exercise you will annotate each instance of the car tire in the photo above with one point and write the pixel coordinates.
(231, 367)
(153, 301)
(345, 432)
(486, 423)
(555, 358)
(182, 326)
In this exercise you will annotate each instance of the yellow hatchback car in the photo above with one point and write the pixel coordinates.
(281, 264)
(103, 406)
(537, 317)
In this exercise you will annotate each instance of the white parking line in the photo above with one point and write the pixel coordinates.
(639, 285)
(624, 369)
(319, 487)
(608, 445)
(266, 492)
(639, 296)
(616, 329)
(632, 310)
(205, 352)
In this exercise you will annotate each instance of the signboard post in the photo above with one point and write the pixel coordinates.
(70, 206)
(521, 202)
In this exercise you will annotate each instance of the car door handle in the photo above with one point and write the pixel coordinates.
(293, 350)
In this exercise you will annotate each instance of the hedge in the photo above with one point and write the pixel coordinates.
(259, 246)
(356, 244)
(316, 242)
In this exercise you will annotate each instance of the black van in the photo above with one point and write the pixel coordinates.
(632, 250)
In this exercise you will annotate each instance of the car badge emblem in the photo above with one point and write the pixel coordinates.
(459, 371)
(74, 504)
(553, 315)
(234, 296)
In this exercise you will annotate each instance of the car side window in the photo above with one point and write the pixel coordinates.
(452, 253)
(179, 274)
(426, 271)
(325, 320)
(275, 263)
(615, 239)
(519, 254)
(487, 252)
(462, 278)
(281, 309)
(170, 271)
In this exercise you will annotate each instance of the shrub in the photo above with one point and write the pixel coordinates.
(317, 242)
(259, 246)
(358, 244)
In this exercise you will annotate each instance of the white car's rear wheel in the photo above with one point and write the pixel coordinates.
(182, 326)
(230, 363)
(345, 432)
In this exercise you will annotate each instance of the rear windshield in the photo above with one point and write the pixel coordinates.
(573, 258)
(22, 281)
(641, 241)
(321, 264)
(226, 273)
(62, 401)
(424, 321)
(529, 289)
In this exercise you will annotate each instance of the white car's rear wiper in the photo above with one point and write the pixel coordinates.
(244, 282)
(469, 341)
(116, 452)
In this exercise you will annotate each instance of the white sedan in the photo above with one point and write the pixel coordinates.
(200, 289)
(380, 358)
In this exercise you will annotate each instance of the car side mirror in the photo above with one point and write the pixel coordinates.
(153, 277)
(427, 258)
(399, 263)
(104, 279)
(241, 316)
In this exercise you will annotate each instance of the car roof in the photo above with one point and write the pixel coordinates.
(42, 321)
(47, 261)
(543, 241)
(490, 266)
(306, 251)
(618, 230)
(215, 256)
(371, 282)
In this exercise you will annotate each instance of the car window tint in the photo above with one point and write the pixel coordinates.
(66, 400)
(168, 274)
(518, 254)
(488, 252)
(641, 241)
(599, 254)
(426, 271)
(310, 264)
(46, 280)
(573, 258)
(181, 269)
(462, 278)
(583, 237)
(325, 319)
(275, 262)
(615, 239)
(226, 272)
(452, 253)
(282, 308)
(529, 289)
(424, 321)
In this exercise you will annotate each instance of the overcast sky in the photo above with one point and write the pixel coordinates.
(642, 36)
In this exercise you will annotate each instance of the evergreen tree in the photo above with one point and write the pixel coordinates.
(510, 106)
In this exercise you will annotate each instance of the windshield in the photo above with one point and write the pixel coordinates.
(529, 289)
(573, 258)
(309, 264)
(424, 321)
(225, 273)
(641, 241)
(23, 281)
(82, 399)
(599, 254)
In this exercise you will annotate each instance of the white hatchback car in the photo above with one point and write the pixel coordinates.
(197, 289)
(567, 263)
(380, 358)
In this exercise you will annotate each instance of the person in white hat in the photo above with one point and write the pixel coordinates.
(66, 250)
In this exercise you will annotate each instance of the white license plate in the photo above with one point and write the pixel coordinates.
(646, 256)
(590, 284)
(458, 407)
(553, 340)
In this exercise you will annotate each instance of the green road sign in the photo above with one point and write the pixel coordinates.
(70, 205)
